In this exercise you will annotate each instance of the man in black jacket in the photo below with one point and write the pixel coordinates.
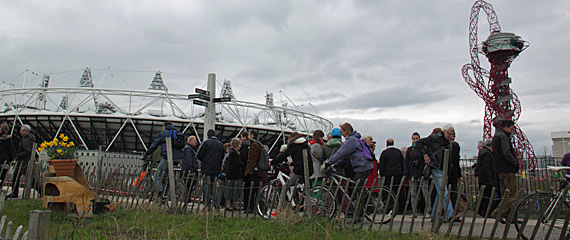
(433, 148)
(506, 165)
(211, 154)
(413, 169)
(391, 166)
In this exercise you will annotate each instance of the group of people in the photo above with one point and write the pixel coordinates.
(236, 165)
(497, 167)
(420, 163)
(19, 155)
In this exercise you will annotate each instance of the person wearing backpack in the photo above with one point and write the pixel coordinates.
(211, 154)
(295, 146)
(252, 175)
(352, 150)
(167, 131)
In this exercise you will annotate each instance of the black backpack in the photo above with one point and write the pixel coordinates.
(178, 141)
(263, 162)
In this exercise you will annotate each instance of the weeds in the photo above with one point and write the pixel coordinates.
(156, 223)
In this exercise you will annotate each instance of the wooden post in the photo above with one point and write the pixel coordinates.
(8, 230)
(171, 186)
(442, 192)
(307, 190)
(99, 168)
(2, 200)
(29, 172)
(38, 224)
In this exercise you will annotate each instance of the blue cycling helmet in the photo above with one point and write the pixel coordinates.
(335, 132)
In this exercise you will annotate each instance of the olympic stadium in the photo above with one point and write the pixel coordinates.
(126, 121)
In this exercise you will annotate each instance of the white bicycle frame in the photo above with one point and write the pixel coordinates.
(283, 179)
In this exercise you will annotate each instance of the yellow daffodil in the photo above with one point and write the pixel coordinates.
(59, 148)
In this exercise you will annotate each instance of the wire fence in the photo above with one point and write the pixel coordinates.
(387, 204)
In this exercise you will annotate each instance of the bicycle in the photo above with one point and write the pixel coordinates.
(548, 209)
(379, 201)
(322, 200)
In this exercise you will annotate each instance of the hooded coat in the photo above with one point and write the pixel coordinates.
(295, 149)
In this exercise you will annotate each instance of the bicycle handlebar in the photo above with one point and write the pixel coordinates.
(558, 168)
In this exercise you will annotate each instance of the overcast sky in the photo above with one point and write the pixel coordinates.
(388, 67)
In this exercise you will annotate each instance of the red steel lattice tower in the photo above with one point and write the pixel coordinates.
(501, 102)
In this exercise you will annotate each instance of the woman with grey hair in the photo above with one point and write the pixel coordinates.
(372, 177)
(487, 176)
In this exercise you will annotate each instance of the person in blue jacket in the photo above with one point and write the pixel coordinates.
(160, 140)
(351, 150)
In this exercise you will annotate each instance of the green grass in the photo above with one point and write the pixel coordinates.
(158, 224)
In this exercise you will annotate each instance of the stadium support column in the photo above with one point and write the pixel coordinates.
(210, 114)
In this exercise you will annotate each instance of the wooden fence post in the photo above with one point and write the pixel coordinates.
(38, 224)
(442, 192)
(308, 192)
(171, 184)
(29, 172)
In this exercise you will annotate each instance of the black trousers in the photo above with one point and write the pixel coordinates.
(250, 191)
(360, 178)
(402, 196)
(488, 199)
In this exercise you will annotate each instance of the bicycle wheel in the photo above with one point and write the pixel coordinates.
(323, 202)
(268, 200)
(384, 205)
(534, 210)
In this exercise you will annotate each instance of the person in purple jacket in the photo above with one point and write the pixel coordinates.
(566, 162)
(351, 150)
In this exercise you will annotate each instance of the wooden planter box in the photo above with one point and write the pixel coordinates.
(63, 167)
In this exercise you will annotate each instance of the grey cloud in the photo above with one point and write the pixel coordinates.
(401, 95)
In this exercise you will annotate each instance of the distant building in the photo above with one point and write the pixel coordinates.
(560, 143)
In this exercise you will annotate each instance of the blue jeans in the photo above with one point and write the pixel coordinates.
(162, 167)
(438, 178)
